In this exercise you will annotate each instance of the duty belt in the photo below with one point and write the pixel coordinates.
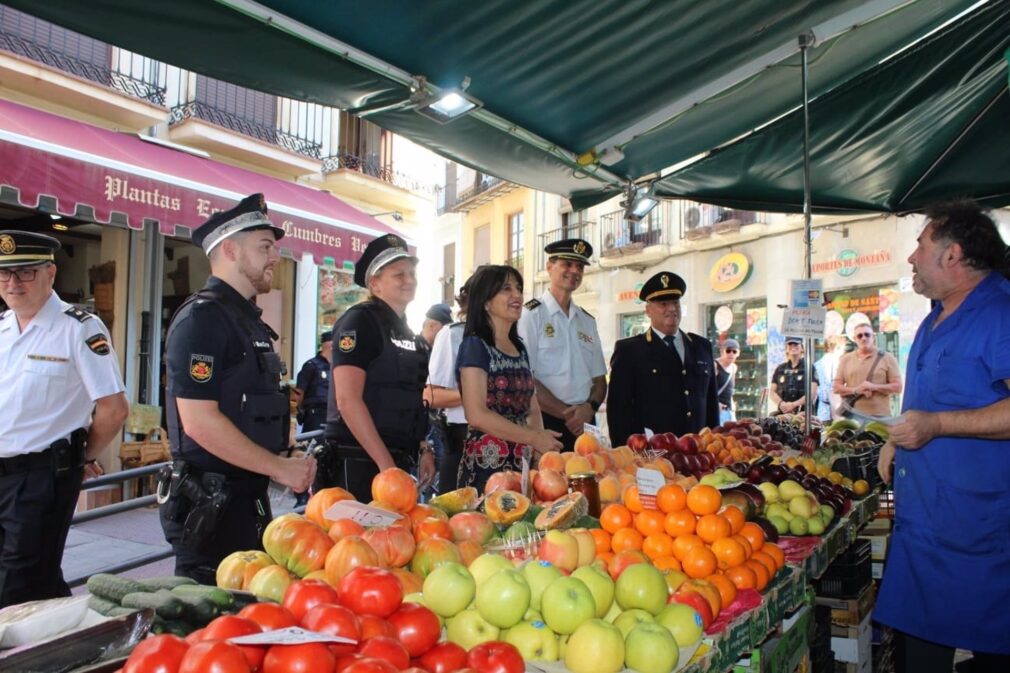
(60, 456)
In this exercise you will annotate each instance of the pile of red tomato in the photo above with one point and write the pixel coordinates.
(367, 607)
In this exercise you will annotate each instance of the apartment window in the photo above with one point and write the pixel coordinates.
(482, 245)
(517, 235)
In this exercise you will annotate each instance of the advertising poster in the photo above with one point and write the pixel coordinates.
(757, 326)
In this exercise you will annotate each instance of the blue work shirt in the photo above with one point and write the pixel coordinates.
(947, 576)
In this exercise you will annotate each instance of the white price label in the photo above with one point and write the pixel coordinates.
(525, 480)
(595, 432)
(291, 635)
(648, 434)
(360, 513)
(649, 483)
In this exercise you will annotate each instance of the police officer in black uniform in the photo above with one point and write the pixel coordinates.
(377, 419)
(228, 415)
(663, 379)
(312, 386)
(787, 389)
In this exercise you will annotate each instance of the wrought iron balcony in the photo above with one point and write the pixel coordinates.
(701, 220)
(374, 168)
(621, 236)
(201, 110)
(469, 194)
(583, 229)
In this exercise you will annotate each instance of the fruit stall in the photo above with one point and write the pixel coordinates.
(697, 553)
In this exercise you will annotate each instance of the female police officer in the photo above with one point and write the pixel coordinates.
(376, 417)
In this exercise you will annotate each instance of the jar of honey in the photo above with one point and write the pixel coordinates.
(586, 484)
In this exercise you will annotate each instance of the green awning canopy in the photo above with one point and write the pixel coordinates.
(642, 85)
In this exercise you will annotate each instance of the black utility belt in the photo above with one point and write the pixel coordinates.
(357, 453)
(60, 456)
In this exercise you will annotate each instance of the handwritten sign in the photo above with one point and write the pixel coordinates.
(649, 483)
(360, 513)
(804, 322)
(291, 635)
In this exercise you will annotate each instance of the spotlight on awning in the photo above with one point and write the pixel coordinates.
(446, 105)
(639, 202)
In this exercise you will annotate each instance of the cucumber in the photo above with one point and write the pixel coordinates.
(220, 597)
(120, 612)
(102, 606)
(242, 598)
(163, 602)
(197, 610)
(114, 588)
(169, 582)
(177, 627)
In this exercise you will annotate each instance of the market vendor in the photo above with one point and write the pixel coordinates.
(377, 418)
(62, 398)
(787, 389)
(228, 416)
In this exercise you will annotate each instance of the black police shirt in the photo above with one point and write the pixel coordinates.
(203, 345)
(358, 338)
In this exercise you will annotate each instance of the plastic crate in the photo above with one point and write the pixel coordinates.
(849, 574)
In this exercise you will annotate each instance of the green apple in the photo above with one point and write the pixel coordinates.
(776, 509)
(674, 578)
(538, 575)
(827, 513)
(503, 598)
(600, 585)
(629, 619)
(641, 586)
(683, 622)
(468, 629)
(815, 525)
(567, 602)
(533, 616)
(803, 507)
(534, 641)
(798, 526)
(486, 565)
(448, 589)
(770, 492)
(587, 545)
(781, 525)
(790, 489)
(651, 648)
(595, 647)
(614, 612)
(562, 644)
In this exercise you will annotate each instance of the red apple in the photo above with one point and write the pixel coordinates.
(661, 442)
(638, 443)
(549, 485)
(679, 461)
(506, 480)
(689, 444)
(696, 601)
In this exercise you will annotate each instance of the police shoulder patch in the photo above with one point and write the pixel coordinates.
(77, 314)
(98, 344)
(201, 367)
(347, 341)
(532, 304)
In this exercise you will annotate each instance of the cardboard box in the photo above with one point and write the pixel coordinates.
(849, 611)
(878, 545)
(855, 647)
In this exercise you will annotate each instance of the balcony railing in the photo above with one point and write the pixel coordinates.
(701, 220)
(100, 73)
(469, 193)
(621, 236)
(196, 109)
(516, 262)
(584, 229)
(372, 167)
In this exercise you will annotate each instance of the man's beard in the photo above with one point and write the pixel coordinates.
(257, 278)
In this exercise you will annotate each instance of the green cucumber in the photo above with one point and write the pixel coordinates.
(113, 587)
(220, 597)
(102, 606)
(197, 610)
(169, 582)
(163, 602)
(120, 612)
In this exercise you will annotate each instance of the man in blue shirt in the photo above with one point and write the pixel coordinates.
(946, 584)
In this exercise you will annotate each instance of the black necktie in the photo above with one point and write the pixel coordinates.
(668, 340)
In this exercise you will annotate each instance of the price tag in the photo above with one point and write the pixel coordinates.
(360, 513)
(649, 433)
(596, 433)
(649, 483)
(524, 482)
(291, 635)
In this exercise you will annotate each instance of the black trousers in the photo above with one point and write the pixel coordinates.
(352, 469)
(914, 655)
(36, 508)
(448, 469)
(558, 425)
(240, 527)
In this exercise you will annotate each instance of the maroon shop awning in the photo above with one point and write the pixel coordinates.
(109, 176)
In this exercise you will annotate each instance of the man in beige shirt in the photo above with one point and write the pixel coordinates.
(853, 375)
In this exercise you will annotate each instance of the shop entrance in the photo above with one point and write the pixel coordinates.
(747, 322)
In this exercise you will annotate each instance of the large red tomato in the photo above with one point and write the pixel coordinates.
(371, 591)
(304, 595)
(384, 647)
(269, 616)
(495, 657)
(232, 626)
(348, 553)
(394, 545)
(303, 658)
(345, 660)
(160, 654)
(334, 620)
(214, 656)
(370, 665)
(372, 626)
(443, 658)
(417, 627)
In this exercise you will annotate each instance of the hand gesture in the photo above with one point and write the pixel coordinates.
(544, 441)
(296, 473)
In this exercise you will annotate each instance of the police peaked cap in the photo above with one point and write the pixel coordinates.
(326, 336)
(25, 248)
(249, 214)
(570, 248)
(380, 252)
(664, 286)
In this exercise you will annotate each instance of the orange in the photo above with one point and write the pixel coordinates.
(649, 521)
(735, 517)
(704, 499)
(747, 549)
(657, 545)
(727, 590)
(767, 561)
(626, 538)
(729, 552)
(683, 544)
(699, 562)
(681, 522)
(602, 540)
(665, 563)
(604, 556)
(614, 517)
(632, 500)
(754, 535)
(741, 576)
(712, 527)
(671, 498)
(761, 572)
(776, 553)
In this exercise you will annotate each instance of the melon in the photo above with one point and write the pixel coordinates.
(506, 507)
(563, 512)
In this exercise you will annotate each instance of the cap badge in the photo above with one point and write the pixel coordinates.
(392, 240)
(7, 245)
(665, 280)
(579, 248)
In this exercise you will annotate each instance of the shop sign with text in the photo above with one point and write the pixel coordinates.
(729, 272)
(848, 261)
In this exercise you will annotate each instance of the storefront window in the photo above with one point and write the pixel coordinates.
(633, 324)
(337, 292)
(747, 322)
(877, 305)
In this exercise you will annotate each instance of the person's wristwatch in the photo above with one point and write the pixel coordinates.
(594, 405)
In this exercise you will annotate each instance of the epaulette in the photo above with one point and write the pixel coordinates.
(588, 313)
(532, 304)
(77, 314)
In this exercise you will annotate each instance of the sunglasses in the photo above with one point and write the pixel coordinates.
(732, 350)
(864, 335)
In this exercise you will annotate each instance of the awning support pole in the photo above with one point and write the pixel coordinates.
(806, 41)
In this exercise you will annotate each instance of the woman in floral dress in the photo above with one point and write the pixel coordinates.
(499, 395)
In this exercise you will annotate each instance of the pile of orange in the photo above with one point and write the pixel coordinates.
(726, 448)
(691, 532)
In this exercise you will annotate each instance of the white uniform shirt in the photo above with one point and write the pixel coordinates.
(565, 351)
(442, 366)
(50, 377)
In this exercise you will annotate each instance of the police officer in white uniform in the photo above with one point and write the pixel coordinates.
(62, 399)
(564, 345)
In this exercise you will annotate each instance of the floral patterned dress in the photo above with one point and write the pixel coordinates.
(510, 389)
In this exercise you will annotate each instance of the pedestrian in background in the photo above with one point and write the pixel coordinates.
(867, 377)
(312, 393)
(825, 368)
(725, 379)
(788, 390)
